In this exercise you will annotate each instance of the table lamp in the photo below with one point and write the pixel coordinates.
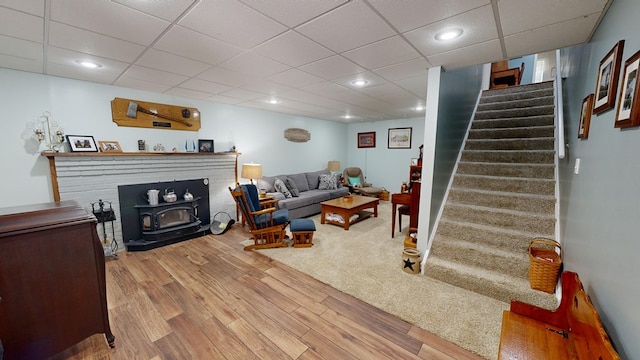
(251, 171)
(333, 165)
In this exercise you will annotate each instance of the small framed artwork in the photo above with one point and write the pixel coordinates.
(109, 146)
(367, 139)
(585, 117)
(628, 111)
(205, 145)
(399, 138)
(608, 74)
(82, 143)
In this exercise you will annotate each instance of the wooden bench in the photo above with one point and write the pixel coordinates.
(572, 331)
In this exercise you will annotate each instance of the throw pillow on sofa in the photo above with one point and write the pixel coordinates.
(291, 185)
(328, 182)
(282, 188)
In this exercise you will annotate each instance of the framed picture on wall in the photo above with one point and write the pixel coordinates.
(399, 138)
(585, 117)
(367, 139)
(627, 114)
(608, 74)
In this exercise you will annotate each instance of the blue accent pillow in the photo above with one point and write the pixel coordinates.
(354, 180)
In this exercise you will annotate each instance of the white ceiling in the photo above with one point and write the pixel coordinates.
(304, 53)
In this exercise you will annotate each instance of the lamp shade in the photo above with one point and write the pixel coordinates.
(333, 166)
(251, 171)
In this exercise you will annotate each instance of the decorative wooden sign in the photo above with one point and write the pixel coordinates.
(135, 113)
(297, 135)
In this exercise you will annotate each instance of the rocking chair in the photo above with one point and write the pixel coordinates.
(266, 223)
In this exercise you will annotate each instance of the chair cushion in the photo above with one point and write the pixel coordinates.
(280, 217)
(302, 225)
(251, 193)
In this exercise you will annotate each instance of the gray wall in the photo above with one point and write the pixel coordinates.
(458, 95)
(600, 205)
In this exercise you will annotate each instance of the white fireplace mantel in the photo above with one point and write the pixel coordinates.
(89, 177)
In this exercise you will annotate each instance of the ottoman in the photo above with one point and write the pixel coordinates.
(302, 232)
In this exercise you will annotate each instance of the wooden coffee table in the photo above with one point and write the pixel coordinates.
(347, 209)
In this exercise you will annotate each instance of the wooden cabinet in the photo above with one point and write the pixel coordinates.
(52, 280)
(415, 173)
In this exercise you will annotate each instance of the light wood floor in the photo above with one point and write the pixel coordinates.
(206, 298)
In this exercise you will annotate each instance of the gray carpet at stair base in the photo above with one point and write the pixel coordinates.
(366, 263)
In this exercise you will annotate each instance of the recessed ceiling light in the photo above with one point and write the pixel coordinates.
(274, 101)
(449, 34)
(347, 116)
(359, 82)
(88, 64)
(419, 108)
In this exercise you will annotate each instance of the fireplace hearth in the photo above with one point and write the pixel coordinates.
(148, 225)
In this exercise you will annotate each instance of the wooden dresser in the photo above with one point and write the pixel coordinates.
(52, 280)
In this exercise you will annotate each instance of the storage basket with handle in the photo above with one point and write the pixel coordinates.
(545, 263)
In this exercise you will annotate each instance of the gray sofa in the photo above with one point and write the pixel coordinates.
(308, 201)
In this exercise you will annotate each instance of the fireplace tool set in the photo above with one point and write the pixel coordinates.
(104, 213)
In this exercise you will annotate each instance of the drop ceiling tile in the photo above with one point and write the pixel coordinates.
(188, 93)
(522, 15)
(204, 86)
(352, 26)
(254, 65)
(167, 10)
(77, 73)
(409, 69)
(91, 43)
(293, 49)
(482, 53)
(141, 84)
(413, 14)
(110, 19)
(224, 76)
(33, 7)
(68, 58)
(190, 44)
(266, 87)
(293, 13)
(153, 75)
(246, 28)
(20, 54)
(243, 94)
(161, 60)
(311, 98)
(381, 90)
(327, 89)
(225, 99)
(332, 68)
(416, 85)
(478, 26)
(295, 78)
(20, 25)
(382, 53)
(551, 37)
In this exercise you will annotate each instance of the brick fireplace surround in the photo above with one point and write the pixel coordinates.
(88, 177)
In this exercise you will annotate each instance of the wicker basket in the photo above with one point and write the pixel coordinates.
(544, 264)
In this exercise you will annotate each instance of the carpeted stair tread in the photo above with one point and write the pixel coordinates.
(478, 254)
(523, 112)
(508, 239)
(516, 103)
(544, 171)
(507, 184)
(510, 144)
(540, 120)
(503, 200)
(491, 97)
(490, 283)
(509, 156)
(517, 132)
(518, 89)
(508, 219)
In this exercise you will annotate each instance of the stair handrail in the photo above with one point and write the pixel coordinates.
(559, 113)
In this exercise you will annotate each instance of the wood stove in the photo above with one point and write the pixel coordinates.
(146, 226)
